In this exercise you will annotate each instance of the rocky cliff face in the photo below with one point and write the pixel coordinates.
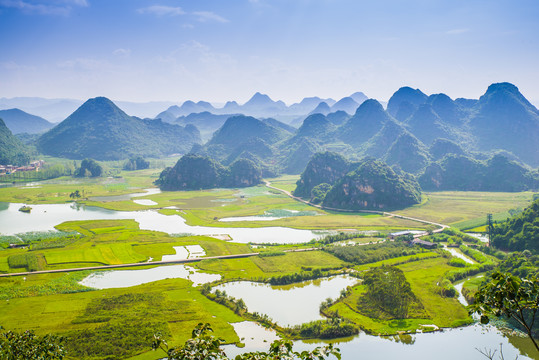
(373, 185)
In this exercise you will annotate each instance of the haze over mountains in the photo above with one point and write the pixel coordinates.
(100, 130)
(416, 133)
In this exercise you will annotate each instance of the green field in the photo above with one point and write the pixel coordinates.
(467, 209)
(57, 303)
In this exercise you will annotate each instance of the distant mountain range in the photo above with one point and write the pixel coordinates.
(20, 122)
(100, 130)
(415, 132)
(56, 110)
(261, 105)
(427, 129)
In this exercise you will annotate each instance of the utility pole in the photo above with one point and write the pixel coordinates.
(489, 224)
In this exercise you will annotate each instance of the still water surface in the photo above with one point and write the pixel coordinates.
(127, 278)
(290, 304)
(44, 217)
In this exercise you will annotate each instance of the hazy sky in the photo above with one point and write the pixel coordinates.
(218, 50)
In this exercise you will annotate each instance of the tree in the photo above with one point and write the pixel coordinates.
(75, 194)
(203, 346)
(388, 289)
(29, 346)
(510, 297)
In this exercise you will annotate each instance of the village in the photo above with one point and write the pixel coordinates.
(11, 169)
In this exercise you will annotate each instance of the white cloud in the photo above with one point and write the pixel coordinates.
(44, 7)
(162, 10)
(457, 31)
(83, 64)
(122, 52)
(204, 16)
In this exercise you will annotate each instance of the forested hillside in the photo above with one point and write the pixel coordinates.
(12, 151)
(194, 172)
(101, 130)
(368, 184)
(520, 232)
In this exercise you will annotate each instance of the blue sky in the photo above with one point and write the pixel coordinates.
(216, 50)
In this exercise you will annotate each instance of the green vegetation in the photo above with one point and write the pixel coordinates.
(138, 163)
(458, 172)
(466, 210)
(520, 232)
(322, 168)
(99, 129)
(388, 292)
(336, 183)
(29, 346)
(202, 345)
(324, 329)
(12, 151)
(89, 168)
(508, 296)
(194, 172)
(363, 254)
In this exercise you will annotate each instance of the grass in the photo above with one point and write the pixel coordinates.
(108, 242)
(285, 182)
(466, 209)
(423, 277)
(74, 313)
(423, 274)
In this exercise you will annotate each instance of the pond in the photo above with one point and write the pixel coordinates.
(289, 304)
(125, 197)
(449, 344)
(458, 343)
(270, 215)
(127, 278)
(44, 217)
(185, 252)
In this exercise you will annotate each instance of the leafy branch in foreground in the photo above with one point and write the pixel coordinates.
(202, 346)
(510, 297)
(27, 345)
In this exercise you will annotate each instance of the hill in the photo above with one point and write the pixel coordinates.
(407, 98)
(12, 151)
(521, 232)
(100, 130)
(408, 153)
(505, 119)
(458, 172)
(326, 167)
(193, 172)
(19, 122)
(369, 118)
(244, 134)
(372, 185)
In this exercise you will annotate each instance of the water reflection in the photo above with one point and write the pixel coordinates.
(45, 216)
(288, 305)
(127, 278)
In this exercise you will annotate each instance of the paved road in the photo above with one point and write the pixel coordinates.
(441, 227)
(108, 267)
